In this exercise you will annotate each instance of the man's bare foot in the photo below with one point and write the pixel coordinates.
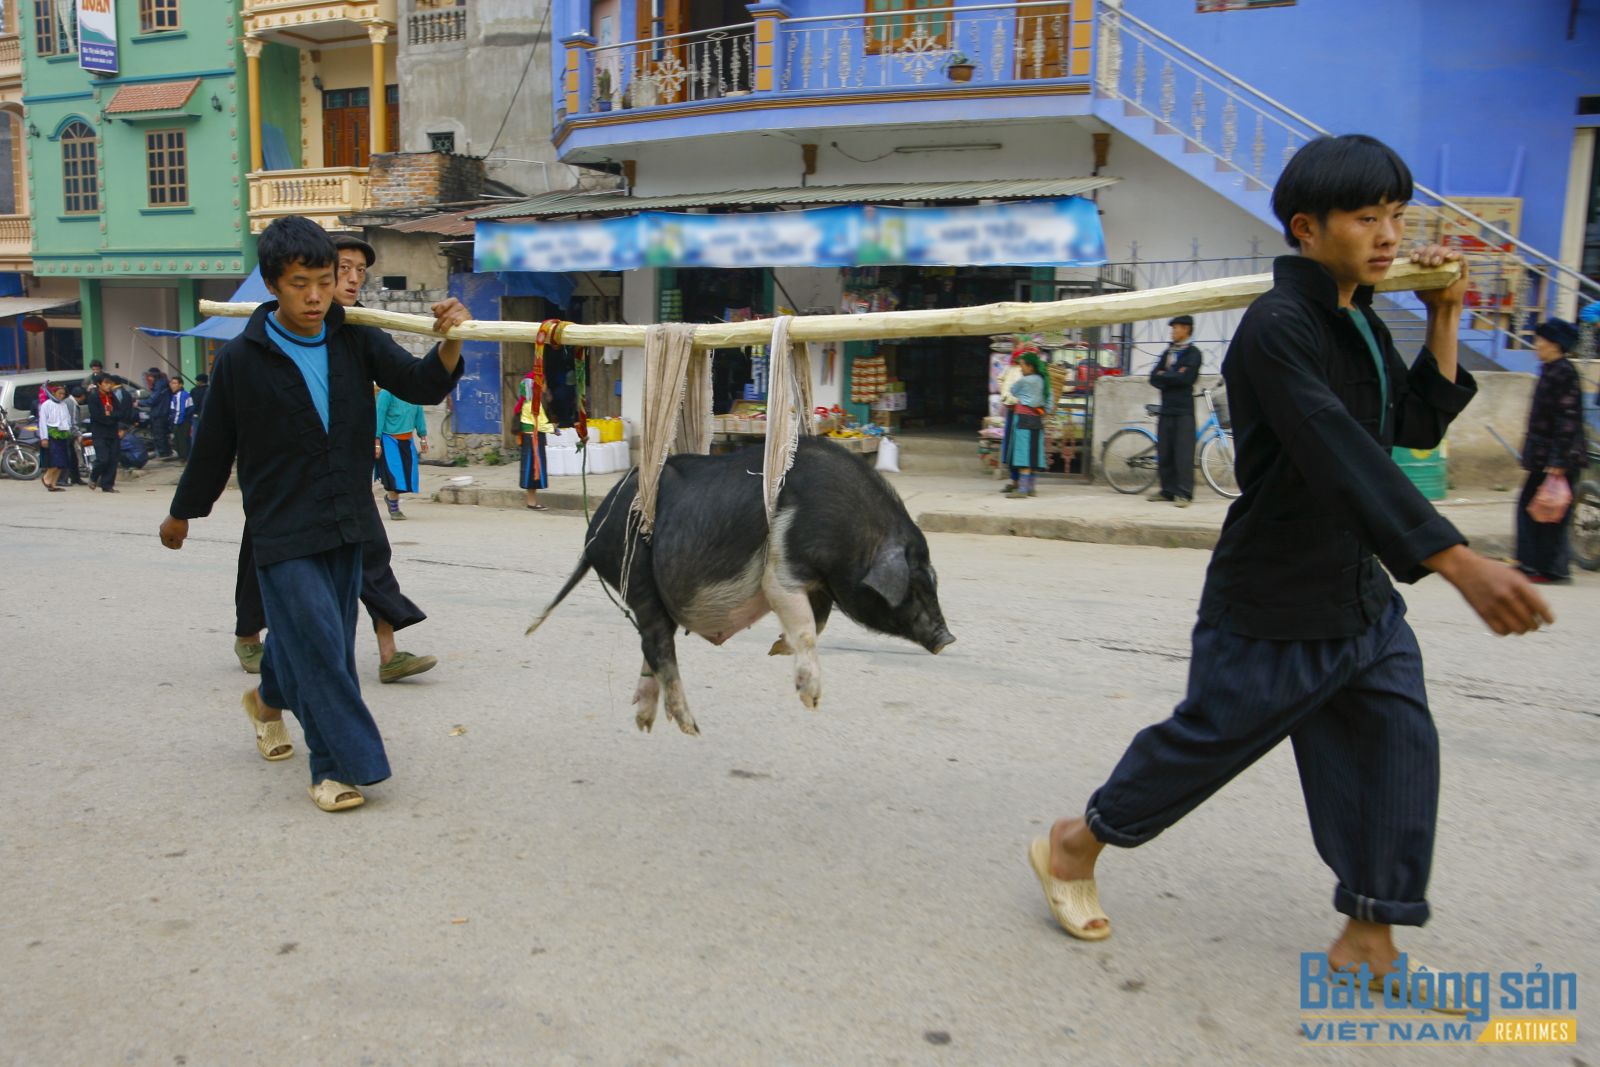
(264, 713)
(1073, 852)
(1364, 943)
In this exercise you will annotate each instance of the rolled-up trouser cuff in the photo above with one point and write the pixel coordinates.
(1373, 910)
(1110, 835)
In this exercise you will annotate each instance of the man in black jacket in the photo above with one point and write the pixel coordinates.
(1175, 374)
(291, 403)
(160, 411)
(110, 415)
(389, 608)
(1301, 635)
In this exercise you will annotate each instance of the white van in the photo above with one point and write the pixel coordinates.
(19, 393)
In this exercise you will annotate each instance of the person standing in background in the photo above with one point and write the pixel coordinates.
(160, 412)
(1032, 395)
(182, 409)
(534, 474)
(110, 415)
(56, 430)
(1174, 375)
(402, 436)
(1553, 449)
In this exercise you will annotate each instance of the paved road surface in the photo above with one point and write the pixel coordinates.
(539, 883)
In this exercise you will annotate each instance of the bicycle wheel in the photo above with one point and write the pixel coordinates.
(1586, 526)
(1129, 460)
(20, 462)
(1216, 463)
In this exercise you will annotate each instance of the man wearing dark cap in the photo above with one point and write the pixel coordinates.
(1175, 374)
(1554, 450)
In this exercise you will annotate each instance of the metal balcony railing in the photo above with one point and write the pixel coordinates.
(910, 50)
(1251, 136)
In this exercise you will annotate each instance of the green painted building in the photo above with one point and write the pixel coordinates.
(138, 178)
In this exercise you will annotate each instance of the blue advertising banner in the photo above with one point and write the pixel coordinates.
(1036, 233)
(97, 36)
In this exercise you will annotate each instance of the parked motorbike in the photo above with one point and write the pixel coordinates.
(19, 448)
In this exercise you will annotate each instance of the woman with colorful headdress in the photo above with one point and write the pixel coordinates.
(1025, 444)
(1009, 377)
(531, 419)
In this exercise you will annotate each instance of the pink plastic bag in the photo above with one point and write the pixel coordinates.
(1552, 499)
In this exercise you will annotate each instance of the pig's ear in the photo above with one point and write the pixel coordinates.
(890, 576)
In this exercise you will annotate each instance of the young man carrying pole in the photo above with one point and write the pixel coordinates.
(291, 402)
(386, 605)
(1301, 635)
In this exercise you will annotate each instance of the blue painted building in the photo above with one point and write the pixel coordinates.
(1176, 116)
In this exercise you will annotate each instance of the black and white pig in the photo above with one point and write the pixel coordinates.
(711, 567)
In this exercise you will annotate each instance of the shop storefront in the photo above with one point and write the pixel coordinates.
(739, 266)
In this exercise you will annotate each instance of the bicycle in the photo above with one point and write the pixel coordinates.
(1586, 513)
(1129, 455)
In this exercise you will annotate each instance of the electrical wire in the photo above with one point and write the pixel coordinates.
(835, 146)
(512, 103)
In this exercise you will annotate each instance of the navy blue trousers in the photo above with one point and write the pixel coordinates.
(309, 665)
(1357, 714)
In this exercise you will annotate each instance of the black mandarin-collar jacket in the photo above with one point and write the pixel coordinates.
(1321, 495)
(306, 489)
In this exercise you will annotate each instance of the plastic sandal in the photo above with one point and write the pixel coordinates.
(1074, 904)
(330, 795)
(272, 738)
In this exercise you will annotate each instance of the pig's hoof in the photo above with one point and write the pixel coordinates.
(809, 686)
(684, 719)
(780, 647)
(645, 718)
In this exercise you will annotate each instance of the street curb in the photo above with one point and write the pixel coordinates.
(1146, 534)
(1090, 531)
(486, 497)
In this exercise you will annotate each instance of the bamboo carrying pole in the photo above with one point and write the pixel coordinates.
(1219, 294)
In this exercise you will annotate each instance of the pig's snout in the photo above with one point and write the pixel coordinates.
(943, 641)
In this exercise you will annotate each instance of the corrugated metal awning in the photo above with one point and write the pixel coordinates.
(613, 202)
(449, 224)
(27, 305)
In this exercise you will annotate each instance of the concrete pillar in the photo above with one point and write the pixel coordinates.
(768, 19)
(94, 323)
(189, 358)
(577, 83)
(378, 34)
(252, 69)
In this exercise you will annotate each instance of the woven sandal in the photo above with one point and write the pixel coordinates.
(1456, 1005)
(272, 738)
(1074, 904)
(330, 795)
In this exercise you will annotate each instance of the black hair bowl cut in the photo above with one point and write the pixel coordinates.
(292, 239)
(1338, 174)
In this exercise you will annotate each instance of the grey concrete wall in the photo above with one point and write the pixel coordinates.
(1476, 460)
(414, 256)
(416, 302)
(465, 87)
